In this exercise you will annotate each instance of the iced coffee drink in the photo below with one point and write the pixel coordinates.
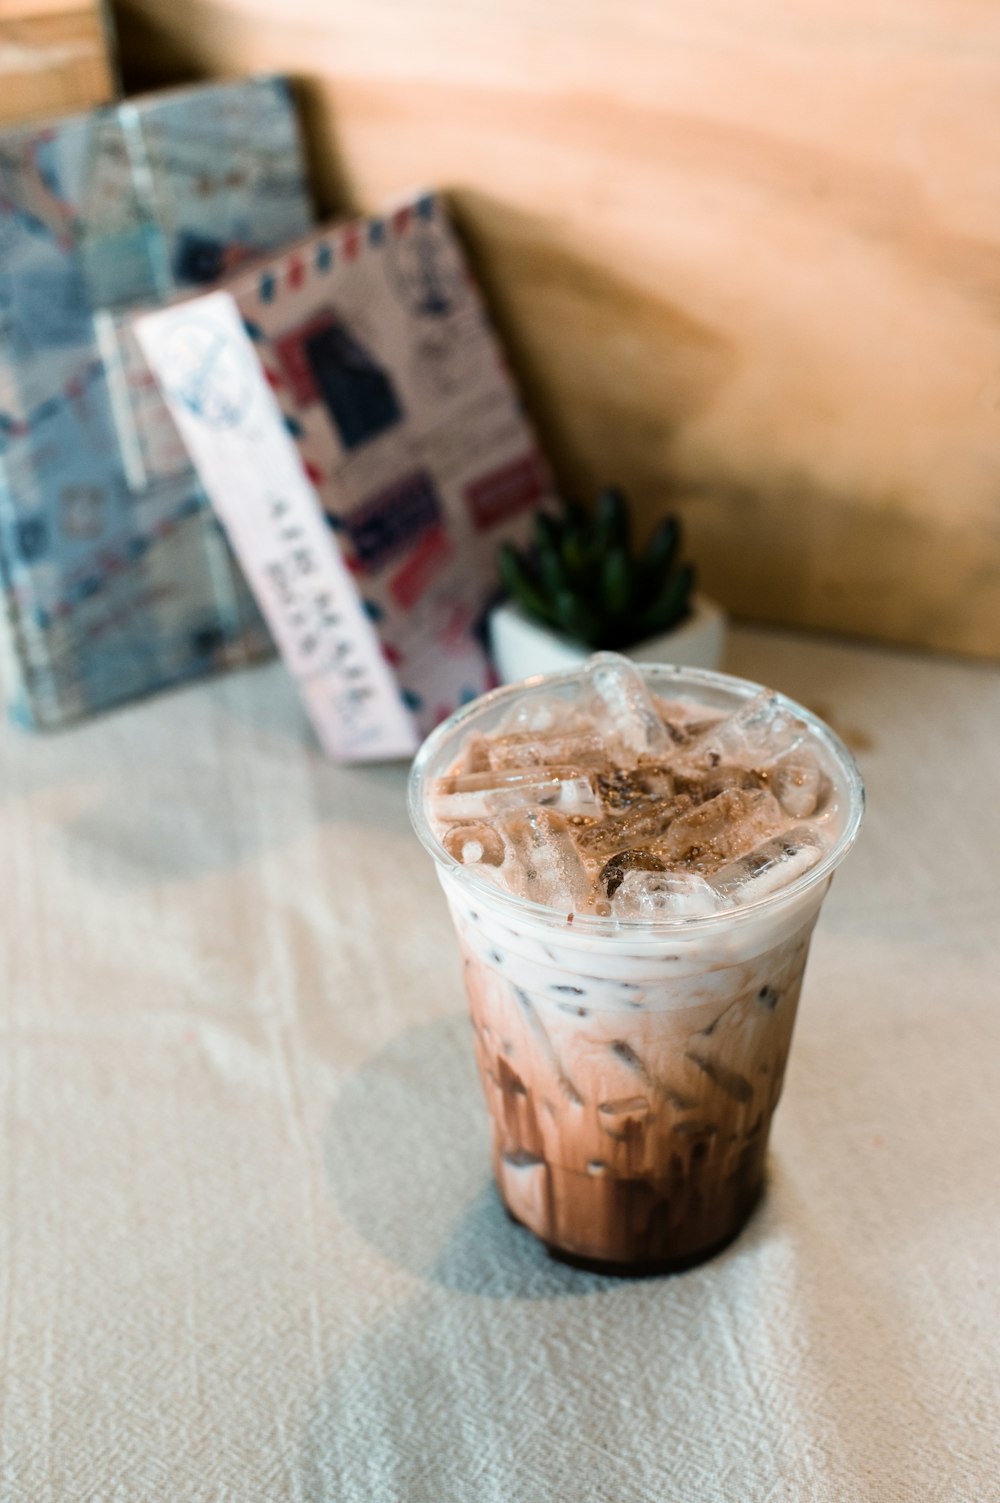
(634, 862)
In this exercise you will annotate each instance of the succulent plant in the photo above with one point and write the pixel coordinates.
(583, 577)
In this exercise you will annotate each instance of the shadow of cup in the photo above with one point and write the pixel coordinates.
(407, 1154)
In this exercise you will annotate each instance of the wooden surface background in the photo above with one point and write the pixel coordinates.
(55, 57)
(746, 254)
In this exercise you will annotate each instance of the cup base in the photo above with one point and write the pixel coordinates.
(651, 1267)
(632, 1224)
(645, 1268)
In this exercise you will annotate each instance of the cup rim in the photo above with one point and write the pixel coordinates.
(589, 923)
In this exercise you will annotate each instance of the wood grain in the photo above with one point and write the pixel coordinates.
(54, 58)
(747, 258)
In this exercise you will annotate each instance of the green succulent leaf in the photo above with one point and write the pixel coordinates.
(547, 532)
(577, 518)
(671, 605)
(611, 520)
(577, 552)
(520, 583)
(552, 572)
(576, 618)
(661, 550)
(617, 581)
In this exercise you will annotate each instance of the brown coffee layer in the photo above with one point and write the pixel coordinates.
(635, 1137)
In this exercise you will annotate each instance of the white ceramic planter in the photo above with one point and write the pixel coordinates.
(522, 647)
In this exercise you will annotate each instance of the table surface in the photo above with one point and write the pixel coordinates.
(250, 1249)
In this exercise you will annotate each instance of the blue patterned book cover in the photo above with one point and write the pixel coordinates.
(116, 577)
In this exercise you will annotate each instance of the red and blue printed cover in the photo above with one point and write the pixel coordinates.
(376, 344)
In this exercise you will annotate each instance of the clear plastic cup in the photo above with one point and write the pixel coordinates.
(631, 1070)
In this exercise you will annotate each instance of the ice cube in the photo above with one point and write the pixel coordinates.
(531, 749)
(477, 795)
(657, 895)
(621, 789)
(722, 828)
(524, 1180)
(760, 732)
(613, 872)
(684, 719)
(796, 782)
(639, 825)
(540, 715)
(475, 843)
(542, 861)
(704, 784)
(771, 866)
(627, 710)
(475, 755)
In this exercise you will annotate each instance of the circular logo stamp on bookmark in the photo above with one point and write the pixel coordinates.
(204, 369)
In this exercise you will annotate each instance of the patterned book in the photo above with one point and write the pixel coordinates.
(116, 577)
(356, 426)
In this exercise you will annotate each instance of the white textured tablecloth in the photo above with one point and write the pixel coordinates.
(250, 1250)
